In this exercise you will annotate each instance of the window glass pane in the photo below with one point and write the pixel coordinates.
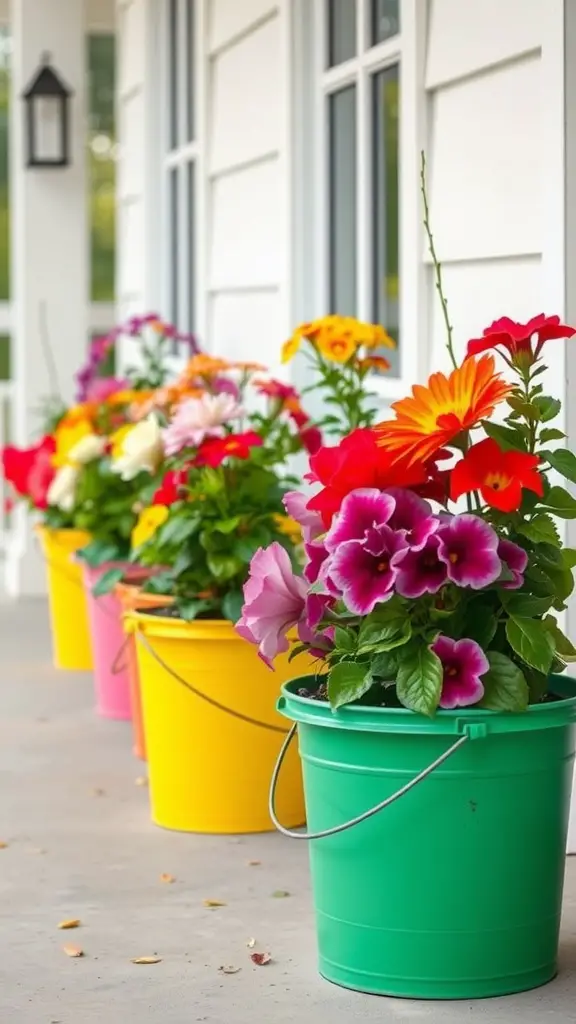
(385, 86)
(190, 242)
(385, 18)
(5, 357)
(190, 64)
(342, 197)
(5, 52)
(341, 17)
(174, 243)
(102, 166)
(172, 73)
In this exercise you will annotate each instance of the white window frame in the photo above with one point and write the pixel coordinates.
(311, 164)
(179, 158)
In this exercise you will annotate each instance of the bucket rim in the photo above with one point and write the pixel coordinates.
(475, 721)
(168, 627)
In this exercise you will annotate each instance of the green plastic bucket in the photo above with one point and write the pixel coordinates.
(453, 890)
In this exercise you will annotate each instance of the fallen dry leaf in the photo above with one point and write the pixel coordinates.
(72, 923)
(251, 943)
(168, 879)
(141, 781)
(261, 959)
(73, 951)
(228, 969)
(254, 863)
(214, 903)
(280, 894)
(146, 960)
(3, 846)
(98, 791)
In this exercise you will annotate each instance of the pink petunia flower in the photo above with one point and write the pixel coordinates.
(102, 388)
(365, 571)
(463, 662)
(362, 510)
(199, 418)
(469, 548)
(316, 554)
(515, 559)
(412, 514)
(295, 504)
(274, 602)
(422, 571)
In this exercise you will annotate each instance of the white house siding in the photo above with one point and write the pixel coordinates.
(247, 303)
(494, 113)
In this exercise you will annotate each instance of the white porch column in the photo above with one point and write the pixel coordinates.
(50, 245)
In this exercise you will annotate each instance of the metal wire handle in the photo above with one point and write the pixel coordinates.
(360, 817)
(116, 669)
(204, 696)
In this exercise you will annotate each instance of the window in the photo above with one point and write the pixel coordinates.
(101, 168)
(360, 82)
(179, 162)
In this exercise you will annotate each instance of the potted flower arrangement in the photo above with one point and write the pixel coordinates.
(436, 734)
(225, 474)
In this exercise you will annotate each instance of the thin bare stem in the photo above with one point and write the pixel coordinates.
(48, 353)
(435, 261)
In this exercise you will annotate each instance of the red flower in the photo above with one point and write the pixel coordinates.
(170, 489)
(498, 475)
(516, 337)
(357, 461)
(30, 470)
(216, 449)
(276, 389)
(311, 438)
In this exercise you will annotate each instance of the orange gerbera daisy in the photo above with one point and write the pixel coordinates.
(436, 414)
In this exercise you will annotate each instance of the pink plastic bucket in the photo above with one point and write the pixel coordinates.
(111, 681)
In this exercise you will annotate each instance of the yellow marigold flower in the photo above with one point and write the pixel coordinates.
(68, 433)
(375, 336)
(129, 397)
(149, 520)
(203, 365)
(291, 347)
(289, 527)
(336, 347)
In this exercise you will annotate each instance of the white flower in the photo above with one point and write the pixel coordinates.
(141, 450)
(198, 418)
(62, 490)
(86, 449)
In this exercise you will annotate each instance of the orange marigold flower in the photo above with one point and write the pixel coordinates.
(203, 365)
(374, 363)
(374, 336)
(250, 367)
(437, 413)
(336, 347)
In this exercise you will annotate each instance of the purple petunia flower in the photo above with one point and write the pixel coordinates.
(422, 571)
(317, 554)
(361, 510)
(274, 602)
(469, 548)
(365, 571)
(515, 559)
(463, 662)
(412, 514)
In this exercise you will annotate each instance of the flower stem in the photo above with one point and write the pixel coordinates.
(435, 261)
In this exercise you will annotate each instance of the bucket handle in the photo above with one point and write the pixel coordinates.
(204, 696)
(360, 817)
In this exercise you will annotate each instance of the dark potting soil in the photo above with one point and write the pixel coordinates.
(383, 697)
(171, 611)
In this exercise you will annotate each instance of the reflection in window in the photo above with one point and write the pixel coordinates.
(385, 218)
(102, 166)
(341, 16)
(342, 192)
(385, 17)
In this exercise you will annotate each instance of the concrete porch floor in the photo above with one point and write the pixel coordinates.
(80, 845)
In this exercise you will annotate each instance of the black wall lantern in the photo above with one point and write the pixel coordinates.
(47, 118)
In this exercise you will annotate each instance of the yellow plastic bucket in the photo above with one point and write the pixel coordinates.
(209, 770)
(66, 598)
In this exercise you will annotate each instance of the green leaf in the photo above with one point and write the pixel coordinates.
(562, 460)
(569, 557)
(107, 582)
(537, 684)
(547, 406)
(227, 525)
(539, 580)
(98, 552)
(531, 641)
(189, 610)
(505, 688)
(525, 605)
(223, 566)
(232, 605)
(177, 529)
(385, 666)
(480, 624)
(540, 529)
(377, 638)
(523, 408)
(551, 434)
(348, 681)
(419, 680)
(296, 650)
(345, 640)
(160, 583)
(560, 502)
(564, 647)
(506, 437)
